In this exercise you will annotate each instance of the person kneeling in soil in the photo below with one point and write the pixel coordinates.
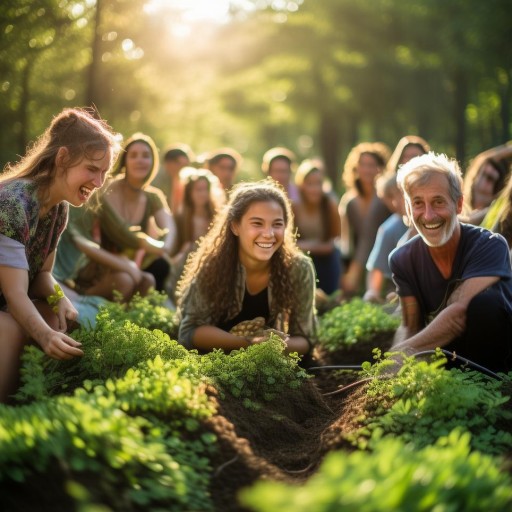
(248, 270)
(65, 166)
(454, 280)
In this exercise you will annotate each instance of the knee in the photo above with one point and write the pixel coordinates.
(124, 284)
(148, 283)
(488, 303)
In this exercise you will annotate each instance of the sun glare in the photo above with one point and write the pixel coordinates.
(193, 10)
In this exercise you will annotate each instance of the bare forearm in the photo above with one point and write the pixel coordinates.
(25, 313)
(208, 337)
(42, 286)
(447, 326)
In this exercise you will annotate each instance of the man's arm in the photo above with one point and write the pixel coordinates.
(446, 326)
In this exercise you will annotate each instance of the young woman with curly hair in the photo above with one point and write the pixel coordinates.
(248, 266)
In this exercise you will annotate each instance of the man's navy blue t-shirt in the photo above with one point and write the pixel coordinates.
(480, 253)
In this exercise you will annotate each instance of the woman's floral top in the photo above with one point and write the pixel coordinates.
(25, 239)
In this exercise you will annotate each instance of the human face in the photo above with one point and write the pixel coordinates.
(225, 170)
(432, 211)
(280, 170)
(484, 185)
(76, 184)
(200, 193)
(312, 187)
(139, 163)
(173, 167)
(260, 233)
(410, 152)
(368, 168)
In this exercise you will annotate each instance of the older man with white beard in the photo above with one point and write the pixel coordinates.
(454, 280)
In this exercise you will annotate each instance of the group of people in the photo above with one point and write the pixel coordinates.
(228, 253)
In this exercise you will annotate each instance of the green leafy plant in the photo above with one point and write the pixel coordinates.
(99, 434)
(150, 312)
(423, 401)
(112, 347)
(255, 374)
(55, 297)
(446, 476)
(352, 322)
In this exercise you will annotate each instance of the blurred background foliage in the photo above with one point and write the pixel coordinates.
(317, 76)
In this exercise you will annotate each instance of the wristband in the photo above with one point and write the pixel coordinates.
(54, 298)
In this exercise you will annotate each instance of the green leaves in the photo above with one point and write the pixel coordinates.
(352, 322)
(445, 476)
(255, 374)
(425, 402)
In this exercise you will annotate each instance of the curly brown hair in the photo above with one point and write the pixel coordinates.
(379, 151)
(189, 176)
(216, 260)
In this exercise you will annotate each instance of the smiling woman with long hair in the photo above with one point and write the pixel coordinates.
(129, 206)
(65, 166)
(248, 266)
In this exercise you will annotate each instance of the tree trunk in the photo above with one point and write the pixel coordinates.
(329, 134)
(460, 102)
(506, 100)
(23, 110)
(92, 96)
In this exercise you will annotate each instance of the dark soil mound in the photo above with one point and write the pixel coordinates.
(354, 354)
(281, 441)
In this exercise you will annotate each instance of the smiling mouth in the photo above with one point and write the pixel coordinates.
(433, 226)
(85, 192)
(265, 245)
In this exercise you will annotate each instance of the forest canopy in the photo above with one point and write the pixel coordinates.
(317, 76)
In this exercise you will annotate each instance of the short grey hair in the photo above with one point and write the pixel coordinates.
(419, 170)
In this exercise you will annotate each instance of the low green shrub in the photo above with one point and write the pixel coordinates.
(157, 461)
(150, 312)
(423, 401)
(352, 322)
(110, 349)
(444, 477)
(256, 374)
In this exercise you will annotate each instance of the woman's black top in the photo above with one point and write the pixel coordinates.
(252, 306)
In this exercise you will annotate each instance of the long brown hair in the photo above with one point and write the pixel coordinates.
(76, 130)
(214, 265)
(304, 170)
(377, 150)
(189, 176)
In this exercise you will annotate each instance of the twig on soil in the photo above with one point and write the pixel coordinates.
(351, 385)
(225, 465)
(298, 471)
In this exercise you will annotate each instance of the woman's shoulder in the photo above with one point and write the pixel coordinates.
(17, 189)
(348, 197)
(155, 196)
(301, 264)
(17, 196)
